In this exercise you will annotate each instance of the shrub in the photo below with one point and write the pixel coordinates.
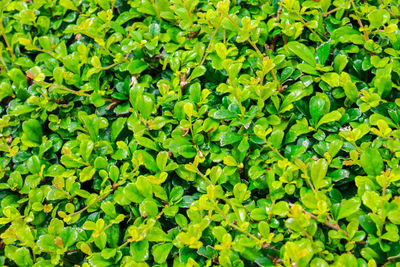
(197, 133)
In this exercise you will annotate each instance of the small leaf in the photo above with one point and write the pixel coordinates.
(137, 66)
(318, 173)
(302, 52)
(160, 252)
(372, 162)
(229, 138)
(378, 17)
(348, 207)
(323, 52)
(330, 117)
(197, 72)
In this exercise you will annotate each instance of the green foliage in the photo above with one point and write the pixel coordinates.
(199, 133)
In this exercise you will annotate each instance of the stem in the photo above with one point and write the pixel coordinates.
(224, 215)
(4, 63)
(383, 206)
(275, 150)
(45, 51)
(388, 9)
(274, 77)
(305, 24)
(144, 232)
(331, 11)
(311, 185)
(330, 225)
(3, 33)
(359, 20)
(250, 41)
(394, 257)
(391, 260)
(234, 225)
(279, 12)
(211, 40)
(91, 204)
(155, 9)
(110, 66)
(66, 89)
(124, 244)
(188, 11)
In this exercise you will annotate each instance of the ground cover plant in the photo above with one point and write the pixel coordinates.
(199, 133)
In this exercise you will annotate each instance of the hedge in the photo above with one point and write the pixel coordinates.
(199, 133)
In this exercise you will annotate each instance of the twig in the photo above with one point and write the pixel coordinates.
(224, 215)
(3, 33)
(211, 40)
(330, 225)
(67, 89)
(250, 41)
(359, 20)
(388, 9)
(110, 66)
(331, 11)
(305, 24)
(278, 13)
(4, 63)
(91, 204)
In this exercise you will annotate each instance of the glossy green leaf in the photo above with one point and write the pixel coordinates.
(302, 52)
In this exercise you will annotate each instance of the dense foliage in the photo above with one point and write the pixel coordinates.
(197, 133)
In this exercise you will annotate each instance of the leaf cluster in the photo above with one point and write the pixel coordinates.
(199, 133)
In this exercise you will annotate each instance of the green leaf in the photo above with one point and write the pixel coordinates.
(140, 250)
(104, 4)
(117, 127)
(384, 85)
(5, 90)
(137, 66)
(148, 208)
(148, 160)
(87, 174)
(319, 169)
(69, 236)
(318, 106)
(281, 208)
(145, 106)
(197, 72)
(229, 138)
(160, 252)
(347, 34)
(330, 117)
(340, 63)
(276, 138)
(348, 207)
(176, 194)
(32, 133)
(302, 52)
(46, 243)
(378, 17)
(371, 161)
(324, 50)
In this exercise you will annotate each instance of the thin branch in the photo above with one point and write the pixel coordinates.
(224, 215)
(250, 41)
(91, 204)
(211, 40)
(305, 24)
(67, 89)
(331, 11)
(330, 225)
(3, 33)
(4, 63)
(359, 20)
